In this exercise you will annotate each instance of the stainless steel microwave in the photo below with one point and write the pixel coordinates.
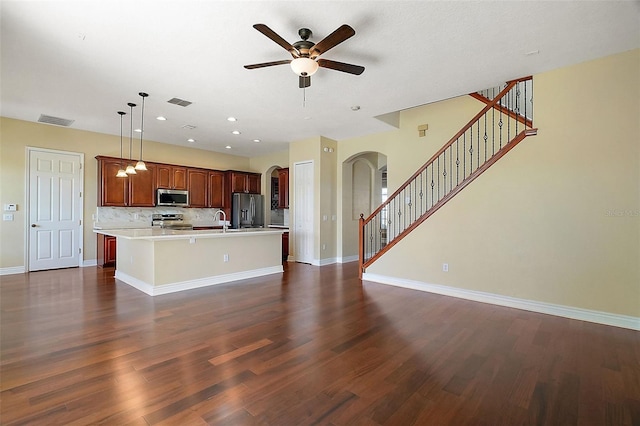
(172, 197)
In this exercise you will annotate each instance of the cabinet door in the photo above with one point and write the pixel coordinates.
(253, 183)
(112, 189)
(142, 188)
(171, 177)
(179, 178)
(216, 189)
(238, 182)
(283, 188)
(198, 180)
(285, 246)
(163, 176)
(109, 250)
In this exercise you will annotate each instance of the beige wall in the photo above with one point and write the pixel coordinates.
(16, 135)
(557, 220)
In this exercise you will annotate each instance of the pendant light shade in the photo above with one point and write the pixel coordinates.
(130, 169)
(140, 164)
(121, 172)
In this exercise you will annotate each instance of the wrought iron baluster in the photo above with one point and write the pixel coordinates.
(432, 186)
(457, 161)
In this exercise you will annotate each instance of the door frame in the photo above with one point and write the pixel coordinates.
(27, 201)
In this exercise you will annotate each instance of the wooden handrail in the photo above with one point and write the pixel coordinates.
(508, 147)
(484, 110)
(377, 252)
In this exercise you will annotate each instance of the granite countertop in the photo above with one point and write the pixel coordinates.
(176, 234)
(279, 226)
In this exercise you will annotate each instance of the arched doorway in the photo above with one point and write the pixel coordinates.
(363, 189)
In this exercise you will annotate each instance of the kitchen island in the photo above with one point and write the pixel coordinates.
(160, 261)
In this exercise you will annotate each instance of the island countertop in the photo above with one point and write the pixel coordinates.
(178, 234)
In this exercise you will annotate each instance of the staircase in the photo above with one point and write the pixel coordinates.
(505, 121)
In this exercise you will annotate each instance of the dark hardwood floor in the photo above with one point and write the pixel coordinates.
(311, 346)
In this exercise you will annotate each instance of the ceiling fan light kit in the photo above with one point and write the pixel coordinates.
(305, 53)
(304, 66)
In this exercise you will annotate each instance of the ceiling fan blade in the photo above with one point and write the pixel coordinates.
(275, 37)
(267, 64)
(341, 66)
(304, 81)
(332, 40)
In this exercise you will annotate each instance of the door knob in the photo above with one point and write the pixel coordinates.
(33, 225)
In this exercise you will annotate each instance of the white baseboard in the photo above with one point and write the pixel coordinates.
(152, 290)
(598, 317)
(324, 262)
(89, 262)
(12, 270)
(348, 259)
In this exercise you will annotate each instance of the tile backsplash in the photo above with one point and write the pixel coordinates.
(135, 215)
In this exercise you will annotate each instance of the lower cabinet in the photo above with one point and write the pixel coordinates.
(285, 246)
(106, 251)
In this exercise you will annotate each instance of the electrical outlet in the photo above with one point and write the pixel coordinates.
(225, 257)
(136, 216)
(445, 267)
(324, 247)
(192, 240)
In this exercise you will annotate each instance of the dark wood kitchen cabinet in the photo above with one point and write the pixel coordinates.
(285, 246)
(171, 177)
(106, 251)
(216, 189)
(132, 191)
(198, 180)
(244, 182)
(283, 188)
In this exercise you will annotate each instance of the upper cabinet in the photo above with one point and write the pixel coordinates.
(198, 180)
(171, 177)
(133, 191)
(283, 188)
(207, 188)
(216, 189)
(244, 182)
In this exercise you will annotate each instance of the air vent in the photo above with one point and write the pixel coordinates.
(48, 119)
(178, 101)
(189, 127)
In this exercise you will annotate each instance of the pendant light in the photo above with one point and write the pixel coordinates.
(130, 169)
(140, 164)
(121, 172)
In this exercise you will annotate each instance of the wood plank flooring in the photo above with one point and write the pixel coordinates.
(312, 346)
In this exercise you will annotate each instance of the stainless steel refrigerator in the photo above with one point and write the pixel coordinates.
(247, 211)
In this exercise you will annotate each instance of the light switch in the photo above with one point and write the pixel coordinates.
(8, 216)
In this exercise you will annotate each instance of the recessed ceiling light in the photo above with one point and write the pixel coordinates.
(256, 140)
(191, 140)
(533, 52)
(236, 132)
(307, 118)
(161, 118)
(355, 108)
(232, 119)
(228, 147)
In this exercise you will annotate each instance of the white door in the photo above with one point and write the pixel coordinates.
(303, 212)
(55, 209)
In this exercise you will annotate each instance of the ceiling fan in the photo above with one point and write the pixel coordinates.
(305, 53)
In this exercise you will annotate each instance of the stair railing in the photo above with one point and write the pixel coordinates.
(506, 119)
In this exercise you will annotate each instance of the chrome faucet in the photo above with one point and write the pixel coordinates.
(224, 219)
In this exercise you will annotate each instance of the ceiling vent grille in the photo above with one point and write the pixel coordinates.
(178, 101)
(48, 119)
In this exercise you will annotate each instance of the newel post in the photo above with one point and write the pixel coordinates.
(360, 245)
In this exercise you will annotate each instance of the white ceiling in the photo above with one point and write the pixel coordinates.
(84, 60)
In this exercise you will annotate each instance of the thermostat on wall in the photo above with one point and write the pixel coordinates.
(10, 207)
